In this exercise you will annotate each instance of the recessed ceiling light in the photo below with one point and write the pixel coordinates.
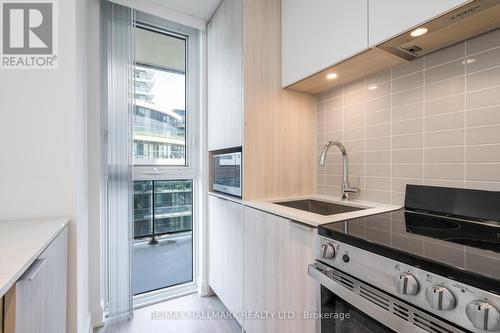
(418, 32)
(331, 76)
(372, 87)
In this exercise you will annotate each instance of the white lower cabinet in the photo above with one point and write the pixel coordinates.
(226, 252)
(258, 266)
(277, 252)
(37, 302)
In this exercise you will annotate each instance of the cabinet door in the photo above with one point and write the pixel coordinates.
(25, 301)
(225, 67)
(216, 243)
(55, 293)
(226, 252)
(320, 33)
(276, 255)
(301, 288)
(389, 18)
(37, 302)
(233, 257)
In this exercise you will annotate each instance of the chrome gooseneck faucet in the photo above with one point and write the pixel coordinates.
(346, 188)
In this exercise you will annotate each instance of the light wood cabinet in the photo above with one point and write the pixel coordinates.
(1, 314)
(276, 255)
(247, 106)
(224, 47)
(37, 302)
(319, 34)
(226, 252)
(388, 18)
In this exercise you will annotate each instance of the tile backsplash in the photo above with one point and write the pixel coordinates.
(433, 121)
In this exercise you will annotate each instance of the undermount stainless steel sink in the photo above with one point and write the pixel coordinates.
(319, 207)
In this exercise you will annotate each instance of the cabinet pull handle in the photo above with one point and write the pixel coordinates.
(302, 225)
(33, 270)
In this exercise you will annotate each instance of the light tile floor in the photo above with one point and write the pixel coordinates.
(143, 323)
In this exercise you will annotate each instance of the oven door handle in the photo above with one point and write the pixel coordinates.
(319, 272)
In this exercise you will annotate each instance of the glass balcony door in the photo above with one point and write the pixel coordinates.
(163, 240)
(164, 124)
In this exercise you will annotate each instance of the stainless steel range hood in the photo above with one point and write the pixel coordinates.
(472, 19)
(462, 23)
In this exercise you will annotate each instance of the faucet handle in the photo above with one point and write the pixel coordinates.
(347, 190)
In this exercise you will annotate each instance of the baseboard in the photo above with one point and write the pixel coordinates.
(87, 327)
(204, 289)
(97, 316)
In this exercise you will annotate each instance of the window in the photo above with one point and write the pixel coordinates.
(165, 100)
(160, 98)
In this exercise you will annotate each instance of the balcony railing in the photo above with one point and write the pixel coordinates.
(149, 128)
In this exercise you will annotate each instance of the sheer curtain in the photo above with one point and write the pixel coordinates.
(119, 108)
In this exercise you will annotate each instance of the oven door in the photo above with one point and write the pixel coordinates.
(347, 304)
(339, 316)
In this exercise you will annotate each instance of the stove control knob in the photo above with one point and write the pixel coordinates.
(440, 298)
(483, 316)
(327, 251)
(406, 284)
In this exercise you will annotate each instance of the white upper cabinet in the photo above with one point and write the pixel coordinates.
(225, 68)
(388, 18)
(320, 33)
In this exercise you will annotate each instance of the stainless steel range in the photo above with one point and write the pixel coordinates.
(433, 266)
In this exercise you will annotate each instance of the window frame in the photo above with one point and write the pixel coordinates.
(191, 168)
(192, 103)
(185, 38)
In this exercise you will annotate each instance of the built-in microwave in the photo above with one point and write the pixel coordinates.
(226, 172)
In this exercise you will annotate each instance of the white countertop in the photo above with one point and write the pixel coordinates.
(316, 219)
(21, 242)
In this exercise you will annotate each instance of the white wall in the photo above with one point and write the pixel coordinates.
(94, 156)
(202, 279)
(83, 324)
(43, 149)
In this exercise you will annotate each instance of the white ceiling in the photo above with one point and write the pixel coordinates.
(200, 8)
